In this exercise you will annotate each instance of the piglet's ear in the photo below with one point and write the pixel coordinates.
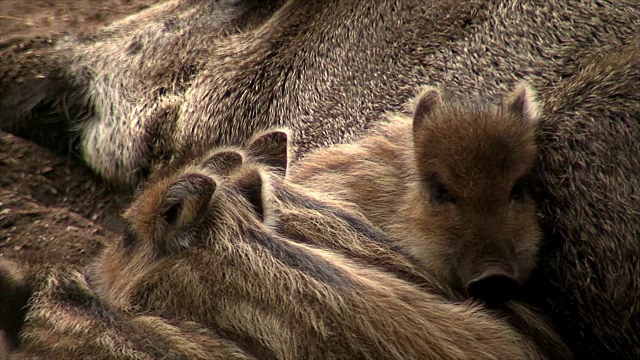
(223, 162)
(272, 147)
(251, 185)
(522, 102)
(424, 104)
(187, 199)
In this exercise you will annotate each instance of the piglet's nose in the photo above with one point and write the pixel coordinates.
(495, 284)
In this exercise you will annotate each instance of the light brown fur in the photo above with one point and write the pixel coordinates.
(317, 219)
(330, 69)
(68, 320)
(227, 268)
(449, 184)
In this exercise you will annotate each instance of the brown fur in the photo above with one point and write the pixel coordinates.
(68, 321)
(449, 184)
(185, 75)
(583, 272)
(317, 219)
(227, 269)
(330, 69)
(299, 214)
(13, 302)
(588, 278)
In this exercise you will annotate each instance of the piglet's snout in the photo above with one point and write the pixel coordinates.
(495, 283)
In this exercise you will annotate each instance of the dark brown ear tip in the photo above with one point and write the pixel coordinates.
(275, 136)
(429, 92)
(271, 147)
(280, 134)
(223, 162)
(193, 186)
(429, 96)
(194, 183)
(183, 205)
(250, 185)
(250, 179)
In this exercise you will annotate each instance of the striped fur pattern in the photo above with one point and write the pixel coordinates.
(229, 268)
(68, 320)
(329, 70)
(450, 184)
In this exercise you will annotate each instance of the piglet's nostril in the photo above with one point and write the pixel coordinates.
(495, 285)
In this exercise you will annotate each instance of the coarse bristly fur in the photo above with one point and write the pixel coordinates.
(15, 295)
(161, 84)
(450, 185)
(184, 75)
(202, 247)
(588, 170)
(588, 277)
(315, 218)
(68, 320)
